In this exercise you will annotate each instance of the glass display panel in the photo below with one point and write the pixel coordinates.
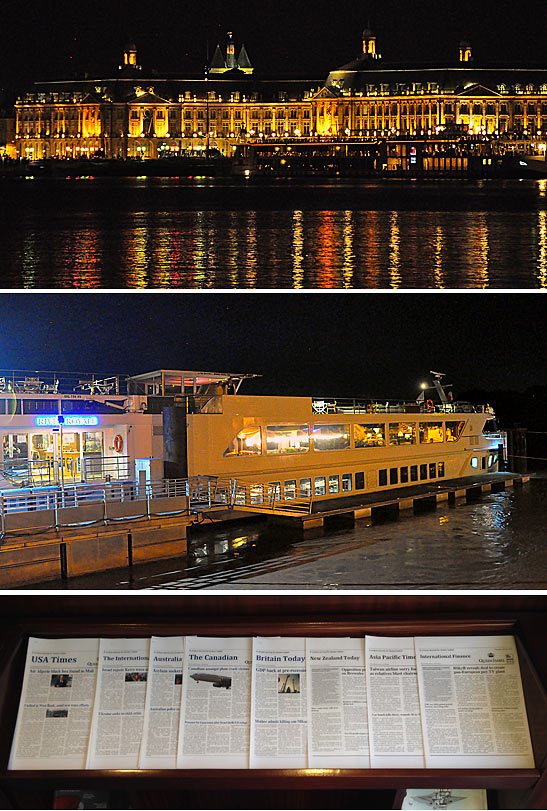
(433, 470)
(414, 473)
(330, 437)
(346, 482)
(334, 484)
(247, 442)
(382, 477)
(440, 469)
(393, 475)
(402, 433)
(360, 481)
(287, 439)
(305, 486)
(423, 471)
(404, 475)
(431, 432)
(369, 435)
(454, 430)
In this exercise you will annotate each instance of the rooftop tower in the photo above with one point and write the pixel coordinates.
(221, 64)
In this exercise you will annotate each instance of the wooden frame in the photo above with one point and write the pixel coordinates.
(260, 615)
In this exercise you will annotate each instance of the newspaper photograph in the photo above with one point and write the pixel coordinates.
(56, 706)
(216, 704)
(337, 704)
(393, 704)
(279, 734)
(472, 703)
(118, 715)
(163, 701)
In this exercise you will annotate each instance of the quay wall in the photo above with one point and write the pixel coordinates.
(55, 554)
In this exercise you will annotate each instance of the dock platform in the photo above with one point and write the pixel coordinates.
(402, 499)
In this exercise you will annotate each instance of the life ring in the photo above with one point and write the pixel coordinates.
(430, 405)
(118, 443)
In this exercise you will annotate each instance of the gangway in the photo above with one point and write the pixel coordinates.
(209, 492)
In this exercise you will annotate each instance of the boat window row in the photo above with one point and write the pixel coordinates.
(290, 439)
(331, 484)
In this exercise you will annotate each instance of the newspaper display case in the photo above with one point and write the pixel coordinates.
(524, 617)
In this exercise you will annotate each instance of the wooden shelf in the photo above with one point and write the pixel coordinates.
(122, 616)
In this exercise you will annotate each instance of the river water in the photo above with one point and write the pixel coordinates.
(496, 542)
(272, 233)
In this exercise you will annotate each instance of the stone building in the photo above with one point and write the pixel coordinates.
(135, 114)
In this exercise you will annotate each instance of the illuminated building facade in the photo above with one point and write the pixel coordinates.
(132, 116)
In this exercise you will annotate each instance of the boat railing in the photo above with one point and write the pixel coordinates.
(30, 381)
(364, 406)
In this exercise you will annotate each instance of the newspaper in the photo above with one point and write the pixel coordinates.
(337, 704)
(216, 699)
(118, 715)
(393, 704)
(279, 704)
(163, 700)
(473, 710)
(54, 719)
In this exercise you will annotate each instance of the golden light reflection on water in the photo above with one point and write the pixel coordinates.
(327, 258)
(394, 247)
(481, 252)
(542, 249)
(84, 259)
(297, 250)
(252, 251)
(348, 237)
(292, 249)
(438, 257)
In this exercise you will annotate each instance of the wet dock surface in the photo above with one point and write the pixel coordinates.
(496, 542)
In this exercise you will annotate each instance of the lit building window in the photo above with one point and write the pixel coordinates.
(287, 439)
(369, 436)
(431, 432)
(454, 431)
(246, 443)
(402, 433)
(330, 437)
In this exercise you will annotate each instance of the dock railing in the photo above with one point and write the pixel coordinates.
(91, 503)
(83, 504)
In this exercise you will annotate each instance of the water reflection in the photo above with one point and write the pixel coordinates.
(218, 234)
(542, 249)
(298, 250)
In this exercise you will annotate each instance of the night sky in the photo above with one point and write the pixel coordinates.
(61, 38)
(332, 344)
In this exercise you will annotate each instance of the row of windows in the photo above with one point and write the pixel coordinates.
(347, 482)
(332, 437)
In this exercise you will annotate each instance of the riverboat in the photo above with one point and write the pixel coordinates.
(330, 448)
